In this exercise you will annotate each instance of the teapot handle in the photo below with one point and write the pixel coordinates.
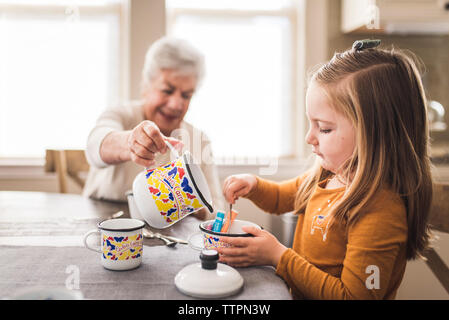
(172, 149)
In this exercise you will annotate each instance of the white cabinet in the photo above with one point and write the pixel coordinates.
(395, 16)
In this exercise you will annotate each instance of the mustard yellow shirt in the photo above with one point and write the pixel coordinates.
(364, 261)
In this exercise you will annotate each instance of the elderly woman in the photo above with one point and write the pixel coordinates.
(127, 139)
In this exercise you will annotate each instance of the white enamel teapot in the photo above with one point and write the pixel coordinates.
(166, 194)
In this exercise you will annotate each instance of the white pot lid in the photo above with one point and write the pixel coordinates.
(202, 280)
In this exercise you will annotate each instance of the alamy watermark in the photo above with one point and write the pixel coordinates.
(373, 280)
(372, 16)
(72, 282)
(72, 13)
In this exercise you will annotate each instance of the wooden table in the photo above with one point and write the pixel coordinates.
(41, 235)
(23, 206)
(33, 218)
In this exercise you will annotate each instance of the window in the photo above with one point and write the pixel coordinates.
(59, 69)
(245, 103)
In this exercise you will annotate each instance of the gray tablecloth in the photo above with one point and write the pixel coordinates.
(49, 227)
(70, 230)
(27, 267)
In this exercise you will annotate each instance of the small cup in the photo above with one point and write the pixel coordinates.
(208, 239)
(121, 243)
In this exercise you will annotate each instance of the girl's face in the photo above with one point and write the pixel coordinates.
(331, 135)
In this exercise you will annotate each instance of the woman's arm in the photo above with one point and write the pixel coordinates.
(108, 125)
(114, 147)
(110, 144)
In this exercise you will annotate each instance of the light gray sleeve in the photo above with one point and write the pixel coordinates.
(109, 121)
(211, 174)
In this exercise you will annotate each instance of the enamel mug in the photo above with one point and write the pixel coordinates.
(167, 194)
(208, 239)
(121, 243)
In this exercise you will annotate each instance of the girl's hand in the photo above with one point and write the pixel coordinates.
(237, 186)
(262, 249)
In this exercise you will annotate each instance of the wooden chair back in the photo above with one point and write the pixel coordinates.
(68, 164)
(439, 220)
(439, 213)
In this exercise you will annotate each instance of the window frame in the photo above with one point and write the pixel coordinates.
(7, 164)
(295, 108)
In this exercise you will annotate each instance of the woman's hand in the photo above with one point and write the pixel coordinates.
(237, 186)
(145, 140)
(262, 249)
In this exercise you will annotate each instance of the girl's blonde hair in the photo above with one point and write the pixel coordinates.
(381, 92)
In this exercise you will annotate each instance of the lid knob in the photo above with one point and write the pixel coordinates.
(209, 259)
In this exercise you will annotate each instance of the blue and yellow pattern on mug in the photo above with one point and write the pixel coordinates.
(122, 248)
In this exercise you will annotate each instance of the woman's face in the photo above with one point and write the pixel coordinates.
(167, 98)
(331, 135)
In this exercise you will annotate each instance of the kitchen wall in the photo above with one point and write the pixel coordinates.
(432, 49)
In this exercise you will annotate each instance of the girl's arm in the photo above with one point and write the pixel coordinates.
(373, 265)
(275, 197)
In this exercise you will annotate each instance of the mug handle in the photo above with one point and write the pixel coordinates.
(191, 243)
(85, 240)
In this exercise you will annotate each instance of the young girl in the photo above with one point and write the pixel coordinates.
(363, 208)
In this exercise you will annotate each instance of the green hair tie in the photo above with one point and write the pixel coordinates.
(365, 44)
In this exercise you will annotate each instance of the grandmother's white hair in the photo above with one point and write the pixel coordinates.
(176, 54)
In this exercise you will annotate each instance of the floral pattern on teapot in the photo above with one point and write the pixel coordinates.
(172, 191)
